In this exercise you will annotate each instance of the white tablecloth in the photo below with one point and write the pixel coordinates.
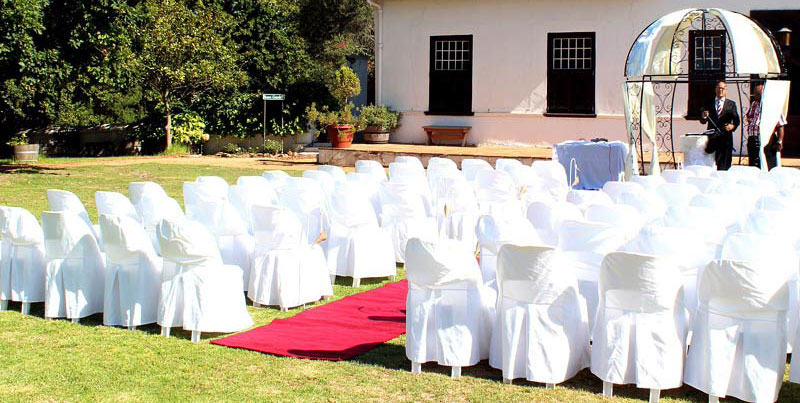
(598, 162)
(694, 150)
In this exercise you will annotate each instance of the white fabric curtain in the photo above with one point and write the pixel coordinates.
(774, 103)
(647, 121)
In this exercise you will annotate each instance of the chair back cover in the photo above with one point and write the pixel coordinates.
(403, 200)
(206, 206)
(19, 227)
(639, 283)
(407, 172)
(325, 180)
(700, 171)
(305, 198)
(351, 207)
(63, 231)
(243, 197)
(622, 216)
(22, 257)
(64, 200)
(591, 237)
(276, 227)
(585, 198)
(615, 188)
(276, 177)
(495, 231)
(137, 190)
(649, 205)
(372, 168)
(703, 220)
(441, 263)
(683, 245)
(677, 194)
(410, 159)
(439, 162)
(495, 186)
(704, 184)
(215, 183)
(471, 167)
(114, 203)
(650, 182)
(336, 172)
(370, 187)
(676, 175)
(188, 242)
(547, 217)
(124, 238)
(532, 274)
(506, 164)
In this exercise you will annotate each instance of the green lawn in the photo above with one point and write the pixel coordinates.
(57, 360)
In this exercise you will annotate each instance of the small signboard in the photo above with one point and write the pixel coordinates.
(273, 97)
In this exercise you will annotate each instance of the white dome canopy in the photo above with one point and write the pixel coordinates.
(660, 50)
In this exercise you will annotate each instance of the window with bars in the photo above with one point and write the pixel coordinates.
(450, 75)
(452, 54)
(707, 55)
(572, 53)
(571, 60)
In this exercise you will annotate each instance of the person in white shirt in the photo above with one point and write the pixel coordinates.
(775, 143)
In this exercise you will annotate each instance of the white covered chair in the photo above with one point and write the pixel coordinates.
(471, 166)
(585, 198)
(198, 292)
(306, 199)
(739, 340)
(497, 193)
(584, 244)
(622, 216)
(506, 164)
(456, 209)
(138, 189)
(154, 207)
(113, 203)
(547, 217)
(649, 205)
(325, 180)
(75, 267)
(494, 231)
(216, 184)
(541, 331)
(640, 330)
(552, 178)
(704, 184)
(449, 312)
(205, 205)
(704, 221)
(370, 187)
(700, 171)
(615, 188)
(133, 273)
(372, 168)
(357, 246)
(245, 195)
(677, 175)
(434, 162)
(410, 159)
(677, 194)
(23, 267)
(287, 270)
(276, 178)
(335, 171)
(649, 182)
(64, 200)
(404, 212)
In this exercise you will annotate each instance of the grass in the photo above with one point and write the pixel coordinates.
(54, 360)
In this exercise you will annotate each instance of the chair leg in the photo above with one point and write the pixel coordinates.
(416, 367)
(713, 399)
(131, 327)
(3, 304)
(655, 394)
(508, 381)
(608, 389)
(165, 331)
(195, 335)
(392, 278)
(333, 279)
(76, 320)
(284, 309)
(26, 308)
(455, 372)
(356, 282)
(256, 304)
(549, 386)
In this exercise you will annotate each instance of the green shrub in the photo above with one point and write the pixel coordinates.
(177, 148)
(380, 116)
(273, 147)
(232, 148)
(189, 128)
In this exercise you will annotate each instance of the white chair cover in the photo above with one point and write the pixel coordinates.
(217, 184)
(133, 273)
(449, 313)
(198, 291)
(704, 221)
(357, 246)
(336, 172)
(495, 231)
(640, 331)
(22, 257)
(649, 205)
(410, 159)
(677, 194)
(721, 209)
(154, 207)
(276, 178)
(585, 198)
(677, 175)
(496, 192)
(456, 209)
(547, 217)
(220, 217)
(615, 188)
(254, 181)
(244, 196)
(64, 200)
(506, 164)
(704, 184)
(370, 187)
(622, 216)
(650, 182)
(553, 179)
(541, 332)
(739, 335)
(325, 180)
(136, 190)
(372, 168)
(584, 245)
(434, 162)
(471, 167)
(113, 203)
(404, 213)
(287, 271)
(700, 171)
(75, 267)
(305, 198)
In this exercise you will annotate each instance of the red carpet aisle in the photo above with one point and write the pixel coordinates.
(335, 331)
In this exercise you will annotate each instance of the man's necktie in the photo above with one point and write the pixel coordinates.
(719, 108)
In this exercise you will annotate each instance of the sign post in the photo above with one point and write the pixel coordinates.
(271, 97)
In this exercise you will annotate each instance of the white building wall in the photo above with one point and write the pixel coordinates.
(509, 92)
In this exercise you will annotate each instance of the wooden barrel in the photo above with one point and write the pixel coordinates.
(27, 152)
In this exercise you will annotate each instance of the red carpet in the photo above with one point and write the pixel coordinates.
(336, 331)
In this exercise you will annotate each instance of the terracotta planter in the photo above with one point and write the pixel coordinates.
(27, 152)
(376, 135)
(341, 136)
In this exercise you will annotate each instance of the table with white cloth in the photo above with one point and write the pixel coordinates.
(694, 150)
(598, 161)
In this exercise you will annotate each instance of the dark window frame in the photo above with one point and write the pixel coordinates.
(557, 78)
(458, 72)
(702, 82)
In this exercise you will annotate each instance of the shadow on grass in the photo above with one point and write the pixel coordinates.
(17, 168)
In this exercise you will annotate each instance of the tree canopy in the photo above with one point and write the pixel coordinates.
(80, 63)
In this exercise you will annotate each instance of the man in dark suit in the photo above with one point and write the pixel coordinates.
(721, 114)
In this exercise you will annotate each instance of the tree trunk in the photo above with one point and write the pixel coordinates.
(168, 127)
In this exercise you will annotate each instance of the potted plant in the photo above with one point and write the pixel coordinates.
(23, 150)
(379, 121)
(341, 125)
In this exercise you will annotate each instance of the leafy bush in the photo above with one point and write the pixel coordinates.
(231, 148)
(189, 128)
(380, 116)
(19, 139)
(324, 116)
(273, 147)
(344, 84)
(177, 149)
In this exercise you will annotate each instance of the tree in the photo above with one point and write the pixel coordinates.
(185, 52)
